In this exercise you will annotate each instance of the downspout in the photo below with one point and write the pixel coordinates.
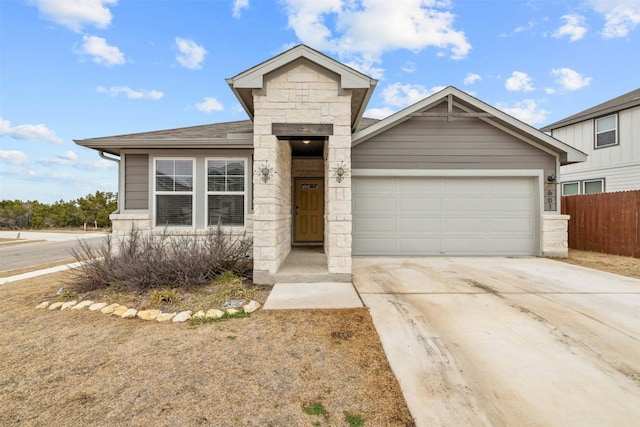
(117, 211)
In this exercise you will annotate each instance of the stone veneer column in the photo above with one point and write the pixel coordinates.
(301, 92)
(555, 236)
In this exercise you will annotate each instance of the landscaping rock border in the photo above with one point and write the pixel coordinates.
(152, 314)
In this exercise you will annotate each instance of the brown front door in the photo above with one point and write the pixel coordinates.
(309, 204)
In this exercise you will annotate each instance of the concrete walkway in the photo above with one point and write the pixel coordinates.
(498, 341)
(312, 295)
(31, 274)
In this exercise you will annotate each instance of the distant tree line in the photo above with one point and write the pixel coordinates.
(93, 209)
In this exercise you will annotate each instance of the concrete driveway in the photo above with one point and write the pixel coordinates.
(507, 341)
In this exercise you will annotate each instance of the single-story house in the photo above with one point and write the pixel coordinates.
(610, 135)
(447, 176)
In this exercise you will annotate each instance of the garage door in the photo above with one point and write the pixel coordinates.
(444, 216)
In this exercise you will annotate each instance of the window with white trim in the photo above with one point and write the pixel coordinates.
(607, 131)
(570, 188)
(593, 186)
(226, 191)
(173, 188)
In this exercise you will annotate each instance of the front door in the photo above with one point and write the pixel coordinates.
(309, 210)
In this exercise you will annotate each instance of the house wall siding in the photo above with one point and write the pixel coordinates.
(434, 143)
(618, 164)
(136, 182)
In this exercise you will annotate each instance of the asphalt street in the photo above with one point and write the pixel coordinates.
(42, 248)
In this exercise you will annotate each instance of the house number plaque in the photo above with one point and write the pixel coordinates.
(309, 186)
(550, 199)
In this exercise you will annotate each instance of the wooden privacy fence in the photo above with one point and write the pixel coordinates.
(604, 222)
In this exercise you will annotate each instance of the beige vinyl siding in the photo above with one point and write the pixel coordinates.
(434, 143)
(136, 181)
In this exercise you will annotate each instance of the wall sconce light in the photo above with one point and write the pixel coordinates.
(265, 172)
(340, 172)
(551, 179)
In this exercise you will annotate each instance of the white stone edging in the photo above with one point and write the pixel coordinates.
(152, 314)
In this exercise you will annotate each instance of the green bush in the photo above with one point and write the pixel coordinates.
(162, 260)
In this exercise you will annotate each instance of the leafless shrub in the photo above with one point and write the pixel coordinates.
(148, 261)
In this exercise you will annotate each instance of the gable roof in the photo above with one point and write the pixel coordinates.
(238, 134)
(361, 85)
(622, 102)
(473, 107)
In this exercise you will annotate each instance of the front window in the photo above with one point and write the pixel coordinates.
(570, 188)
(594, 186)
(226, 192)
(174, 192)
(606, 131)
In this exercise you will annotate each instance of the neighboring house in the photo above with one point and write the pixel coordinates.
(449, 175)
(610, 134)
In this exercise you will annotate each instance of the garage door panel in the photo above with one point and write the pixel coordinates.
(412, 246)
(419, 225)
(464, 245)
(374, 204)
(375, 246)
(510, 225)
(419, 186)
(444, 216)
(513, 204)
(420, 204)
(509, 245)
(377, 225)
(469, 205)
(464, 225)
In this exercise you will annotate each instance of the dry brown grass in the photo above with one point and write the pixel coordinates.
(623, 265)
(84, 368)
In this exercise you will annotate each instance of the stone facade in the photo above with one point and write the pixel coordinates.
(555, 236)
(303, 93)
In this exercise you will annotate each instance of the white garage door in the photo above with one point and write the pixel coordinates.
(444, 216)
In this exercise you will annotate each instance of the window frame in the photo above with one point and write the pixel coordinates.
(572, 182)
(244, 193)
(596, 133)
(191, 193)
(586, 181)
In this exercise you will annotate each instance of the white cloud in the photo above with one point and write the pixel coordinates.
(37, 132)
(379, 113)
(209, 104)
(191, 54)
(364, 30)
(621, 16)
(131, 93)
(100, 51)
(63, 160)
(402, 95)
(472, 78)
(574, 27)
(74, 14)
(549, 90)
(409, 67)
(570, 79)
(14, 157)
(519, 82)
(238, 5)
(526, 110)
(520, 29)
(68, 155)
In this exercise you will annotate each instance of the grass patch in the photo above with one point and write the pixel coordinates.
(352, 419)
(160, 296)
(315, 408)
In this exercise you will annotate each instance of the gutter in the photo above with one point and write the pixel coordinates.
(113, 159)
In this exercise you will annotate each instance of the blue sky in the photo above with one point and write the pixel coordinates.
(74, 69)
